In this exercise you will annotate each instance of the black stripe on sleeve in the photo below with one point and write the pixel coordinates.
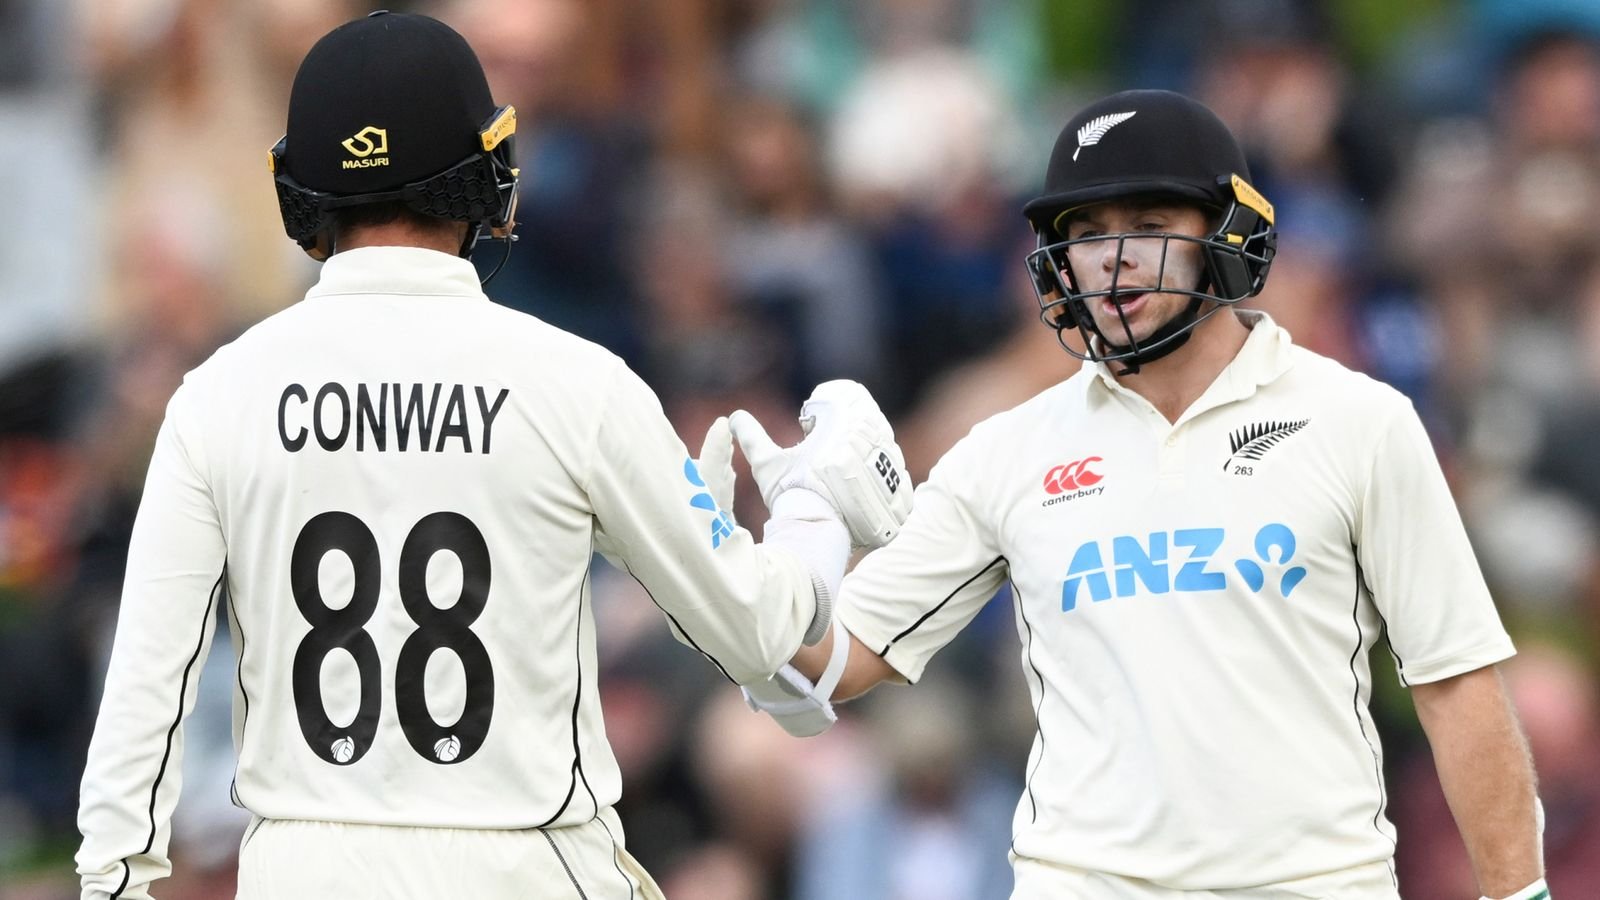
(177, 720)
(1355, 701)
(947, 597)
(678, 625)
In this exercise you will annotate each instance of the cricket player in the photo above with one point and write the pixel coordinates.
(1206, 530)
(393, 490)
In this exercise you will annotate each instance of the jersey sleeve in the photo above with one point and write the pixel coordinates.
(170, 595)
(743, 605)
(1418, 564)
(910, 598)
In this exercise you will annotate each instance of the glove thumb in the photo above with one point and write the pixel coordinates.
(716, 463)
(767, 460)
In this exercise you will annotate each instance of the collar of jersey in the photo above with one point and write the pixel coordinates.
(397, 270)
(1266, 354)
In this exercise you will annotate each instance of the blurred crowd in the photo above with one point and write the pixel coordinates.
(745, 197)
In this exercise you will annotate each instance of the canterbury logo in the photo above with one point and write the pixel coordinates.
(370, 146)
(1096, 128)
(1072, 476)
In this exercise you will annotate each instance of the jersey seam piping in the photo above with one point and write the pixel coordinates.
(244, 721)
(1038, 711)
(576, 771)
(563, 860)
(676, 624)
(1399, 664)
(1355, 700)
(614, 850)
(940, 605)
(161, 772)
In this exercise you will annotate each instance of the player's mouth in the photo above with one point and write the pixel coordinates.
(1129, 302)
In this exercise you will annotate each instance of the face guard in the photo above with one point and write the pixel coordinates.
(1234, 258)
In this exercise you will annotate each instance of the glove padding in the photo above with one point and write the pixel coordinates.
(849, 456)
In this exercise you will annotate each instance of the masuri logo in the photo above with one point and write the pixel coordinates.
(370, 146)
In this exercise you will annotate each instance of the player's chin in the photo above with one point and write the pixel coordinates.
(1114, 330)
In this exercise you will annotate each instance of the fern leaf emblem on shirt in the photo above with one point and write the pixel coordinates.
(1096, 128)
(1253, 441)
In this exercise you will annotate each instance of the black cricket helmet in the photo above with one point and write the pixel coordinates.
(394, 107)
(1148, 144)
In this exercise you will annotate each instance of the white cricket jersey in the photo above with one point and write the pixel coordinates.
(1196, 603)
(394, 489)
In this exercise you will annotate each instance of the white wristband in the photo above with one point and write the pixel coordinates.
(806, 524)
(1536, 891)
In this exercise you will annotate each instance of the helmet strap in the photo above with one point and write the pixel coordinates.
(1177, 329)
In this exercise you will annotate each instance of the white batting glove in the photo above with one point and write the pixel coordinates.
(849, 456)
(715, 463)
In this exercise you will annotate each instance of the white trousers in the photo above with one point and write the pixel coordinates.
(298, 860)
(1038, 880)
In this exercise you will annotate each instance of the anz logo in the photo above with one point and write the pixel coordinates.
(1183, 561)
(722, 521)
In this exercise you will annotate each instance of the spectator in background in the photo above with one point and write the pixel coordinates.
(1556, 697)
(932, 821)
(938, 201)
(1323, 151)
(46, 152)
(189, 85)
(959, 397)
(89, 98)
(790, 256)
(1505, 213)
(1496, 218)
(581, 158)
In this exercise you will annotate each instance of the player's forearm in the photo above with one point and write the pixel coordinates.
(1487, 776)
(863, 671)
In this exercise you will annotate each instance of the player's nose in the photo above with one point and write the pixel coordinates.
(1112, 255)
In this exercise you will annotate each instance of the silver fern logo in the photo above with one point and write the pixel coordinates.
(1250, 443)
(1096, 128)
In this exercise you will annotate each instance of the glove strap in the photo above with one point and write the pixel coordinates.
(834, 671)
(803, 709)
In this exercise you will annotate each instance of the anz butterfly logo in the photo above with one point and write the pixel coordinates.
(1249, 444)
(721, 519)
(1096, 128)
